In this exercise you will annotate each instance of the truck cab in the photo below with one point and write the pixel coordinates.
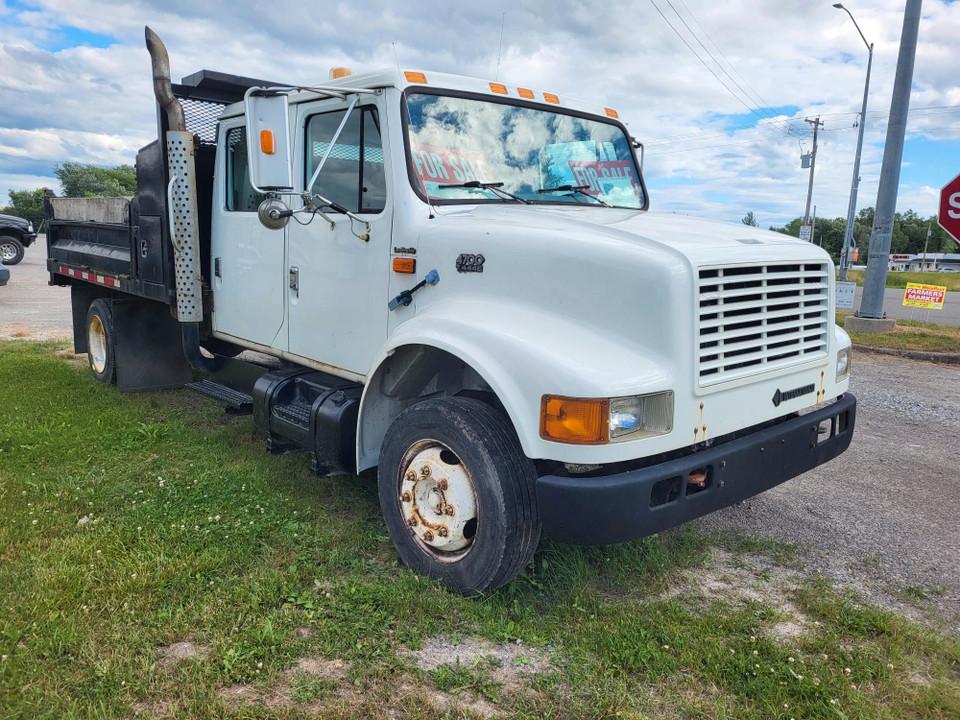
(461, 284)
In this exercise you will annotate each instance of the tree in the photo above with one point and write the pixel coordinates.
(750, 219)
(85, 180)
(27, 204)
(909, 233)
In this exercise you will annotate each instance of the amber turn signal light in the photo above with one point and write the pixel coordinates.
(580, 421)
(268, 145)
(404, 265)
(415, 77)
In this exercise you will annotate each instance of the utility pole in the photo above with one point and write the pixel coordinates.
(813, 164)
(870, 316)
(855, 183)
(926, 244)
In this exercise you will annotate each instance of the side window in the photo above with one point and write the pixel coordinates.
(353, 175)
(240, 195)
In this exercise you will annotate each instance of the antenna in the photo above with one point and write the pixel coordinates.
(396, 56)
(503, 17)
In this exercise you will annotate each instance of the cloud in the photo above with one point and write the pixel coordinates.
(94, 104)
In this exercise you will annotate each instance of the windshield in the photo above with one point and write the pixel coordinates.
(536, 155)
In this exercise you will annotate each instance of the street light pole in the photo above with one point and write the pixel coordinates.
(855, 183)
(870, 316)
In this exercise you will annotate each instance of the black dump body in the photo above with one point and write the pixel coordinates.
(122, 244)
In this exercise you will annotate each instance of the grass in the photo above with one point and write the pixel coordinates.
(900, 279)
(910, 335)
(131, 522)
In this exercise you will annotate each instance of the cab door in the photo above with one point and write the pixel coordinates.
(247, 260)
(337, 294)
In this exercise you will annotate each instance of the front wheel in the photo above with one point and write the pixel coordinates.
(457, 494)
(11, 250)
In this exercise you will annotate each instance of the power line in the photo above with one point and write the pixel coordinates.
(702, 61)
(875, 114)
(759, 109)
(756, 96)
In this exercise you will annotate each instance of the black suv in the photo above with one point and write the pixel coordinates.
(15, 235)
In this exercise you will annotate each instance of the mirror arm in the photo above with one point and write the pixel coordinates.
(333, 141)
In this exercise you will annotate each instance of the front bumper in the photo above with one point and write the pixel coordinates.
(628, 505)
(28, 238)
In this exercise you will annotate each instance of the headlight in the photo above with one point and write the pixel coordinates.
(30, 227)
(843, 364)
(594, 421)
(641, 416)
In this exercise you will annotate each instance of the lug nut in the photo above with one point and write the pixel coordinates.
(428, 536)
(405, 497)
(442, 531)
(425, 471)
(412, 521)
(442, 484)
(411, 476)
(448, 509)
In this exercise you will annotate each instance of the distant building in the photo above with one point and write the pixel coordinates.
(924, 262)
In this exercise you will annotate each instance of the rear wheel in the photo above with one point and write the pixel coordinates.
(11, 250)
(100, 341)
(457, 494)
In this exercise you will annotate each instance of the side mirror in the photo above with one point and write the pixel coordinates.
(268, 140)
(274, 213)
(637, 145)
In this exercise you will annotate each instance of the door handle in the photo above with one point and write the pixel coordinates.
(294, 277)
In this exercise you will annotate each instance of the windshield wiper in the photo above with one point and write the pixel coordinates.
(574, 190)
(494, 186)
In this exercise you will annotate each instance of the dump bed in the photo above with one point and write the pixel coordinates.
(123, 243)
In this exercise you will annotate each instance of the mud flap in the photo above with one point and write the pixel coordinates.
(147, 352)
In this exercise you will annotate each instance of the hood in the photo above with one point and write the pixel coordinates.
(702, 242)
(13, 220)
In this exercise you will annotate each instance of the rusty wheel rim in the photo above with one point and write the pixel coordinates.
(97, 344)
(438, 500)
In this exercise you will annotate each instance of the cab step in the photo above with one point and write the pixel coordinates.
(237, 403)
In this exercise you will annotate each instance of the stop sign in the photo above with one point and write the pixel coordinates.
(949, 215)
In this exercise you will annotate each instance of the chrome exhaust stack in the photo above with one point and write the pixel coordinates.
(182, 216)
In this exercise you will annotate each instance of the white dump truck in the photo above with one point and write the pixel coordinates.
(459, 283)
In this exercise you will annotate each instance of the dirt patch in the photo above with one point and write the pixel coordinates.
(747, 578)
(178, 652)
(305, 686)
(303, 632)
(512, 663)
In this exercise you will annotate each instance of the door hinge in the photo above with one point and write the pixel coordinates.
(295, 279)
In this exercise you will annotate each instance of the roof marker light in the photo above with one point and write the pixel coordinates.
(498, 88)
(611, 113)
(340, 72)
(415, 77)
(551, 98)
(525, 93)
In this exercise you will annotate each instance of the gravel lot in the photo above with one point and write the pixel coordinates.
(881, 519)
(29, 308)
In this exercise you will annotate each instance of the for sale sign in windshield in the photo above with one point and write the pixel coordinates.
(924, 296)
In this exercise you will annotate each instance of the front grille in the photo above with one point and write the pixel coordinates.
(757, 318)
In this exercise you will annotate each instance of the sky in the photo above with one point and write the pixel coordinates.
(717, 92)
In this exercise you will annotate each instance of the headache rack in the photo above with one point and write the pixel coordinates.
(123, 243)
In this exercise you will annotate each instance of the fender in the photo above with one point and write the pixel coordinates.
(521, 353)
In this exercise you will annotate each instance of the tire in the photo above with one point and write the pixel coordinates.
(101, 339)
(11, 250)
(482, 545)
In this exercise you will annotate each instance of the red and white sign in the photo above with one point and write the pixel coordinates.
(949, 215)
